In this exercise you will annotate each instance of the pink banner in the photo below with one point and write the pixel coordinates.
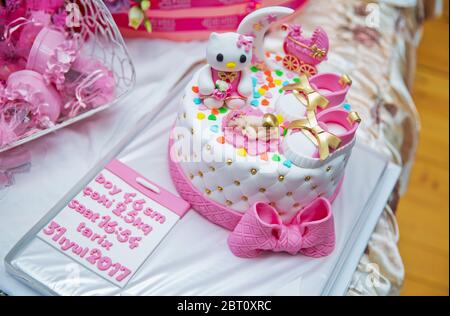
(207, 19)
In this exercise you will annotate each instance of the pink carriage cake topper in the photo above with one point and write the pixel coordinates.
(303, 54)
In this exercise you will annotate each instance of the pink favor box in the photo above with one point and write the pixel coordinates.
(183, 20)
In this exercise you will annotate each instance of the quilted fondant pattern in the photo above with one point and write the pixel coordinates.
(214, 212)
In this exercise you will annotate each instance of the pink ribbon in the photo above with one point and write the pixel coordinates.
(245, 41)
(310, 232)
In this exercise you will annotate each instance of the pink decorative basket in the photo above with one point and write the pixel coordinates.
(184, 20)
(60, 62)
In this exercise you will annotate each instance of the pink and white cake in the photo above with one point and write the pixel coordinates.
(261, 141)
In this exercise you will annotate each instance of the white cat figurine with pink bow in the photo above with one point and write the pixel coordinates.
(226, 79)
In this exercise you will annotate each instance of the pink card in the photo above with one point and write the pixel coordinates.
(114, 224)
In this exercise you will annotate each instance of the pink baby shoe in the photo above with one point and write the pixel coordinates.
(310, 232)
(332, 86)
(317, 93)
(319, 136)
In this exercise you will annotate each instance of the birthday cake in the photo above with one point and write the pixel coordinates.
(261, 141)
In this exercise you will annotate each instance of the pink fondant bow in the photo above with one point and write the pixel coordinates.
(310, 232)
(245, 41)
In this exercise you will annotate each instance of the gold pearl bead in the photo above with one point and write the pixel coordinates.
(228, 202)
(200, 174)
(281, 178)
(191, 176)
(328, 168)
(307, 178)
(237, 183)
(289, 194)
(270, 120)
(244, 198)
(314, 187)
(253, 171)
(212, 169)
(296, 205)
(208, 191)
(219, 188)
(262, 190)
(229, 162)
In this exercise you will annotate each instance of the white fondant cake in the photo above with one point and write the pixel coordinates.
(231, 176)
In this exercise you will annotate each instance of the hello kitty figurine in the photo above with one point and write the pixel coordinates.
(226, 79)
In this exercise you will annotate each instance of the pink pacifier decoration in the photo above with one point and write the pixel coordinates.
(311, 231)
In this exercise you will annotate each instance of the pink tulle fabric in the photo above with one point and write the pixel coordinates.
(60, 63)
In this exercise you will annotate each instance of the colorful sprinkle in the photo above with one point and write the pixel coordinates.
(223, 110)
(201, 115)
(202, 107)
(290, 75)
(212, 117)
(254, 103)
(271, 85)
(287, 163)
(221, 140)
(264, 157)
(279, 72)
(265, 102)
(195, 89)
(347, 106)
(214, 128)
(254, 81)
(256, 95)
(278, 58)
(268, 95)
(280, 91)
(268, 73)
(197, 101)
(214, 111)
(276, 157)
(285, 83)
(296, 79)
(277, 82)
(254, 69)
(262, 91)
(242, 152)
(280, 118)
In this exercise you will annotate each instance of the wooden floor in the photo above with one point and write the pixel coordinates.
(423, 212)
